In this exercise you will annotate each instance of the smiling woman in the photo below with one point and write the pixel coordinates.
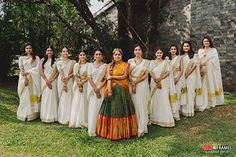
(28, 85)
(117, 118)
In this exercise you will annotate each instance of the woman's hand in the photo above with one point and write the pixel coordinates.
(81, 89)
(109, 77)
(98, 94)
(176, 80)
(49, 83)
(79, 84)
(159, 85)
(65, 87)
(24, 73)
(202, 72)
(186, 75)
(67, 78)
(202, 64)
(157, 80)
(133, 85)
(109, 94)
(63, 79)
(133, 89)
(26, 82)
(134, 82)
(96, 90)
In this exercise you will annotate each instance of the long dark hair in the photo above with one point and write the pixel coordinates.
(32, 54)
(190, 52)
(210, 41)
(45, 59)
(177, 50)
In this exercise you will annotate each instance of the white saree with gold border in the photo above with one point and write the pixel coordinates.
(65, 98)
(79, 106)
(49, 100)
(97, 75)
(29, 95)
(212, 87)
(142, 93)
(161, 113)
(188, 89)
(175, 98)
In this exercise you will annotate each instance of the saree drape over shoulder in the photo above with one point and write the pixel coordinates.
(79, 106)
(212, 87)
(161, 113)
(142, 93)
(191, 91)
(117, 119)
(97, 74)
(49, 98)
(65, 98)
(175, 98)
(29, 95)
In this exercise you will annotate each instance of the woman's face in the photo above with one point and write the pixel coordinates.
(82, 56)
(206, 43)
(98, 56)
(65, 52)
(117, 56)
(173, 50)
(49, 52)
(138, 51)
(28, 49)
(159, 54)
(186, 47)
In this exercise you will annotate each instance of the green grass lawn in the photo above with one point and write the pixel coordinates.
(216, 126)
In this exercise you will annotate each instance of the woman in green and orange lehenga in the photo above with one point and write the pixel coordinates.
(117, 118)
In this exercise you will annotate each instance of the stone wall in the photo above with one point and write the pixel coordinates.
(193, 19)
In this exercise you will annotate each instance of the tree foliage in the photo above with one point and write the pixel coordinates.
(71, 24)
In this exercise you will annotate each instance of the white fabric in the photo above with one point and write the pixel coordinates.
(212, 87)
(79, 106)
(96, 74)
(49, 100)
(161, 113)
(175, 71)
(188, 97)
(142, 94)
(65, 98)
(29, 95)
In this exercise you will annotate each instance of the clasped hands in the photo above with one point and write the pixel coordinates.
(133, 83)
(158, 82)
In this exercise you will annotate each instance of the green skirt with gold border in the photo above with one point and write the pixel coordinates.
(117, 118)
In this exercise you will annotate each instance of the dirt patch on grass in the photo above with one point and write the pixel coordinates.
(196, 130)
(226, 112)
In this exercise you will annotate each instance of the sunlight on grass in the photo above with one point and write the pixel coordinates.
(215, 126)
(230, 98)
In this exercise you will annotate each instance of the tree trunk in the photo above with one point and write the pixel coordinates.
(153, 9)
(123, 33)
(82, 7)
(153, 37)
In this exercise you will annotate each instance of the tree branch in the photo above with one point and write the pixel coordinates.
(67, 24)
(82, 7)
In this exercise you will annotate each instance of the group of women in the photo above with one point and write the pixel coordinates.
(114, 100)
